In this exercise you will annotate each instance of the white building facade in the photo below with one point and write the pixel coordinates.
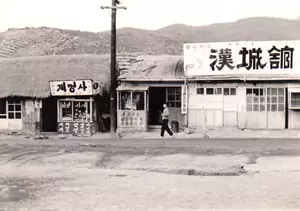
(254, 85)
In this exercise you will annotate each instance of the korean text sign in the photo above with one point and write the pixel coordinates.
(242, 58)
(75, 88)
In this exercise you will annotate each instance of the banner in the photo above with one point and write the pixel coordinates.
(242, 58)
(184, 99)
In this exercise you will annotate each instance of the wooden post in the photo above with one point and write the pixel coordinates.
(113, 71)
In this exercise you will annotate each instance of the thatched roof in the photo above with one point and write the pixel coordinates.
(30, 76)
(154, 68)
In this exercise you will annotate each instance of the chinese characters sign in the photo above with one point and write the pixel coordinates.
(131, 119)
(184, 99)
(269, 57)
(75, 88)
(76, 128)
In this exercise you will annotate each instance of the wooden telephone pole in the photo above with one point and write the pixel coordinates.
(113, 65)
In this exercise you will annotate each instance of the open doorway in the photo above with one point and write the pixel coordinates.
(157, 97)
(49, 115)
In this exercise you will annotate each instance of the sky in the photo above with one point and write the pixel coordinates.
(86, 15)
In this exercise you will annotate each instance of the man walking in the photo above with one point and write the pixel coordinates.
(165, 121)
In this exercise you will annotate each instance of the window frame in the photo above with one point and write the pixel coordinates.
(177, 97)
(12, 102)
(291, 100)
(131, 94)
(262, 97)
(72, 100)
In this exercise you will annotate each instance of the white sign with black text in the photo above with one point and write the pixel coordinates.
(184, 99)
(242, 58)
(71, 88)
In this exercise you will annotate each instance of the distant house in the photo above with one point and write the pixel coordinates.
(65, 94)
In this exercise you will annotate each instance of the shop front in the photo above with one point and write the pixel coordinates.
(250, 85)
(76, 114)
(132, 108)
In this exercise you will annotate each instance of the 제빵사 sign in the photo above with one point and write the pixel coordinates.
(75, 88)
(242, 58)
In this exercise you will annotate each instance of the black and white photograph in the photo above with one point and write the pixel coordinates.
(137, 105)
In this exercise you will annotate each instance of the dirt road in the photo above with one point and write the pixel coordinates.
(149, 175)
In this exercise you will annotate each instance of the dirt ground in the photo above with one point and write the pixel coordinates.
(149, 175)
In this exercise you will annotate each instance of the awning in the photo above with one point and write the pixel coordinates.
(132, 88)
(294, 89)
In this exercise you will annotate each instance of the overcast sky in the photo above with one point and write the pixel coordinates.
(86, 15)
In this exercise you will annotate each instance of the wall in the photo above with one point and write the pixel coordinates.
(230, 111)
(30, 117)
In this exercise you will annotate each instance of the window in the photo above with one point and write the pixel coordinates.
(295, 100)
(200, 91)
(173, 97)
(265, 99)
(131, 100)
(229, 91)
(14, 109)
(214, 91)
(2, 109)
(75, 110)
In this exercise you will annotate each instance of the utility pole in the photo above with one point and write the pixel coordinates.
(113, 64)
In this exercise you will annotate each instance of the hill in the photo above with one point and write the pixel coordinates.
(168, 40)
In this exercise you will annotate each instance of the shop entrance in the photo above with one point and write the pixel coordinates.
(49, 115)
(157, 97)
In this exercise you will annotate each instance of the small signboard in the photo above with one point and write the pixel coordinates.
(184, 99)
(76, 128)
(71, 88)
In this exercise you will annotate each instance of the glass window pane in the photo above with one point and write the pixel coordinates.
(178, 91)
(125, 101)
(11, 107)
(11, 115)
(138, 101)
(280, 107)
(2, 106)
(218, 91)
(66, 110)
(281, 99)
(18, 115)
(280, 91)
(262, 99)
(274, 100)
(269, 107)
(171, 97)
(171, 104)
(200, 91)
(255, 99)
(209, 91)
(18, 107)
(226, 91)
(262, 107)
(268, 91)
(274, 91)
(249, 99)
(261, 92)
(171, 90)
(249, 91)
(256, 91)
(249, 107)
(268, 99)
(273, 107)
(2, 116)
(255, 107)
(81, 111)
(178, 104)
(233, 91)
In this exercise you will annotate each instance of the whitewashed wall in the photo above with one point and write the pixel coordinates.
(230, 111)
